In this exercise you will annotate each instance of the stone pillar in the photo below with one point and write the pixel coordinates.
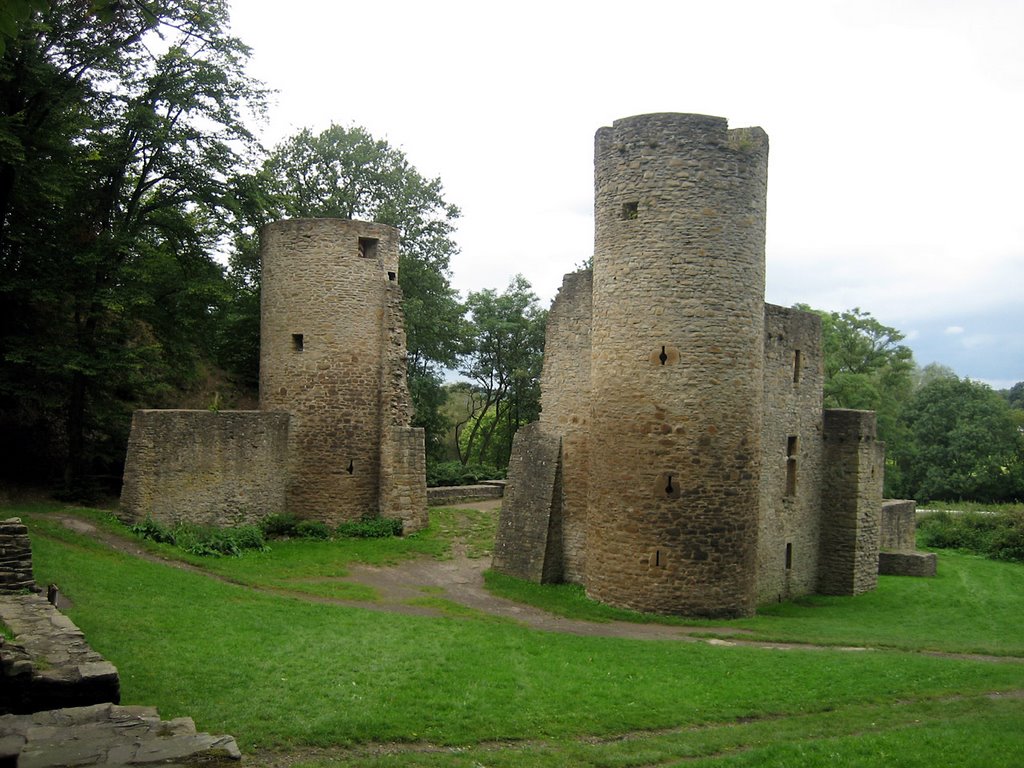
(851, 503)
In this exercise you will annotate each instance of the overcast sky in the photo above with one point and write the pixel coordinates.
(896, 128)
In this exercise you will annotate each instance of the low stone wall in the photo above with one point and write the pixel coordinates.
(218, 468)
(907, 563)
(49, 664)
(15, 557)
(458, 494)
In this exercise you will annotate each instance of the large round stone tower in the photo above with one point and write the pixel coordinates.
(677, 364)
(330, 356)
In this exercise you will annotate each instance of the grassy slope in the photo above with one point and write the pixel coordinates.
(276, 671)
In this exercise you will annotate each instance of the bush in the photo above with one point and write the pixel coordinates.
(312, 529)
(204, 540)
(371, 528)
(455, 473)
(279, 526)
(998, 535)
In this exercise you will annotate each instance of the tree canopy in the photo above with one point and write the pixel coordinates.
(120, 125)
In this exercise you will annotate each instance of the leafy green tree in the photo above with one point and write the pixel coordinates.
(963, 444)
(120, 124)
(504, 363)
(867, 368)
(346, 173)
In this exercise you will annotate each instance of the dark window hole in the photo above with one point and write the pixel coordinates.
(298, 344)
(789, 556)
(351, 466)
(368, 247)
(631, 210)
(663, 356)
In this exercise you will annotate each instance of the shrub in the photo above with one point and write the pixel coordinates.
(204, 540)
(998, 535)
(370, 528)
(312, 529)
(279, 525)
(151, 529)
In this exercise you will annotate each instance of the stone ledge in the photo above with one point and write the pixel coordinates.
(108, 734)
(49, 664)
(907, 563)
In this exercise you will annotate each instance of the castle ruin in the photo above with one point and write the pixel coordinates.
(683, 463)
(331, 440)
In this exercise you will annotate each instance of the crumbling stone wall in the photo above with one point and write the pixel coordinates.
(565, 409)
(677, 364)
(851, 503)
(791, 474)
(898, 541)
(15, 557)
(205, 467)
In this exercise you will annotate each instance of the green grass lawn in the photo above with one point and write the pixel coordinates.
(282, 673)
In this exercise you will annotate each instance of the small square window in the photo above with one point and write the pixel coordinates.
(631, 210)
(368, 247)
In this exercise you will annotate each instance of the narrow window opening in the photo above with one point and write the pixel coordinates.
(392, 276)
(298, 344)
(791, 446)
(631, 210)
(668, 488)
(657, 557)
(351, 466)
(796, 366)
(789, 556)
(368, 247)
(663, 356)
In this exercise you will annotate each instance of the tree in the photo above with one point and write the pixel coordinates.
(504, 362)
(868, 368)
(119, 129)
(346, 173)
(963, 444)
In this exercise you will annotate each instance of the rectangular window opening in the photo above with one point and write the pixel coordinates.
(368, 247)
(796, 366)
(789, 556)
(791, 445)
(297, 342)
(631, 210)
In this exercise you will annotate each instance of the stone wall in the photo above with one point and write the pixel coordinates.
(899, 525)
(791, 474)
(677, 365)
(206, 467)
(565, 408)
(322, 339)
(15, 557)
(458, 494)
(851, 503)
(528, 543)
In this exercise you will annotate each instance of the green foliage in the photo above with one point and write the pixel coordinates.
(313, 529)
(444, 473)
(205, 541)
(370, 528)
(279, 525)
(962, 442)
(504, 360)
(998, 535)
(867, 368)
(119, 125)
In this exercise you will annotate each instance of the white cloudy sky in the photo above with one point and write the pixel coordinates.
(896, 128)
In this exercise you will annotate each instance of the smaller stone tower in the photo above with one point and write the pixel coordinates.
(332, 354)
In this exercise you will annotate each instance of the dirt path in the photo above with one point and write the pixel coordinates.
(459, 580)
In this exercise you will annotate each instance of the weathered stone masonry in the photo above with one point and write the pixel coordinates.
(697, 473)
(331, 440)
